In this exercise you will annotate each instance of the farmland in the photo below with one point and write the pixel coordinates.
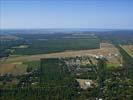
(13, 68)
(82, 65)
(23, 48)
(107, 50)
(128, 49)
(18, 68)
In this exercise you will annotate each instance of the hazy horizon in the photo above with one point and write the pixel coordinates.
(93, 14)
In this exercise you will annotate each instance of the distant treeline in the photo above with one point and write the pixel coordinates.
(6, 46)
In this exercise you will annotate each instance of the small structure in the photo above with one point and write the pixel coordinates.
(82, 70)
(88, 83)
(85, 83)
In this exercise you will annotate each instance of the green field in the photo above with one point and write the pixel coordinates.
(32, 64)
(57, 45)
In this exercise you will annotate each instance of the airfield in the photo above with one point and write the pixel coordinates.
(16, 64)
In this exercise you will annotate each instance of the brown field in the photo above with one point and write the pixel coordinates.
(107, 50)
(16, 68)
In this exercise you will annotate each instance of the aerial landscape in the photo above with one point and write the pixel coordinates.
(54, 50)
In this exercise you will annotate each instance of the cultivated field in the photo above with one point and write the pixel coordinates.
(128, 49)
(16, 68)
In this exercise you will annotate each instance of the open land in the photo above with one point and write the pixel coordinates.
(106, 50)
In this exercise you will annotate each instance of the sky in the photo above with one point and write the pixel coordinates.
(30, 14)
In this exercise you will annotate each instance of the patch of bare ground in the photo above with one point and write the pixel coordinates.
(16, 68)
(86, 83)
